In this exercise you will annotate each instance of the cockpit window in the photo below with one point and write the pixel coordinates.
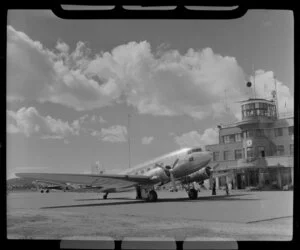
(194, 150)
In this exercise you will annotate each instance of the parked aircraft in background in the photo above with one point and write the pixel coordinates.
(183, 166)
(46, 186)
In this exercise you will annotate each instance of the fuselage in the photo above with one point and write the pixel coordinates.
(181, 162)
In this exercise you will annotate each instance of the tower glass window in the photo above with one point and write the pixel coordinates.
(259, 109)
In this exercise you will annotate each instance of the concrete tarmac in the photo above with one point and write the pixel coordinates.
(239, 216)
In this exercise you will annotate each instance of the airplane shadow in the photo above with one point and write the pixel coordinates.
(100, 198)
(234, 197)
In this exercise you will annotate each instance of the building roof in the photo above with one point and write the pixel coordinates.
(256, 99)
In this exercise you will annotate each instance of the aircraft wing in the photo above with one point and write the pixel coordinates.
(103, 180)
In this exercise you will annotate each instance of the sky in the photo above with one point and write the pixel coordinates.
(72, 84)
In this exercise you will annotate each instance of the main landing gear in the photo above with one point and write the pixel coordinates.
(152, 196)
(147, 194)
(192, 192)
(105, 196)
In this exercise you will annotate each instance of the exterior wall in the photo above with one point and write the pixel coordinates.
(225, 147)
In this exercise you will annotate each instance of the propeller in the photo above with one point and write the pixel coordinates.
(169, 172)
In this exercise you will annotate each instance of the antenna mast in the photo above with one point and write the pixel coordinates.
(276, 98)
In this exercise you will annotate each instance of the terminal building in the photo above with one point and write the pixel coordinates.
(256, 151)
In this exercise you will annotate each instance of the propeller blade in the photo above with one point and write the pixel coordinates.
(175, 163)
(173, 181)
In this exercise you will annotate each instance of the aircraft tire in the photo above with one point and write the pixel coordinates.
(105, 196)
(152, 196)
(42, 191)
(193, 194)
(47, 191)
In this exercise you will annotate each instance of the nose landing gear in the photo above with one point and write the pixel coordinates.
(193, 194)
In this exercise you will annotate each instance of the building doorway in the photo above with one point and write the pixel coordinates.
(241, 181)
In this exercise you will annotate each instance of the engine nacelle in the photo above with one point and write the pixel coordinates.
(200, 175)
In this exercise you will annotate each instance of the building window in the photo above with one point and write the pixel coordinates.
(249, 133)
(250, 152)
(292, 149)
(278, 132)
(238, 137)
(267, 132)
(229, 138)
(261, 151)
(216, 156)
(291, 130)
(221, 139)
(238, 154)
(279, 150)
(226, 155)
(259, 132)
(226, 139)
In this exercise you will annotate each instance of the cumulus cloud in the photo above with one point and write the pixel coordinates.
(162, 82)
(147, 140)
(195, 139)
(62, 47)
(115, 133)
(264, 85)
(29, 122)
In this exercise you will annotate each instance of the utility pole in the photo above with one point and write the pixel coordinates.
(129, 154)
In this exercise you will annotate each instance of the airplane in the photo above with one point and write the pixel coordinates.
(43, 187)
(185, 166)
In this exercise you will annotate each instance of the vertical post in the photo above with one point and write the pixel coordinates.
(276, 98)
(279, 181)
(217, 182)
(129, 156)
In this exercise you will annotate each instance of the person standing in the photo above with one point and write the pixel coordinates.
(214, 187)
(227, 188)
